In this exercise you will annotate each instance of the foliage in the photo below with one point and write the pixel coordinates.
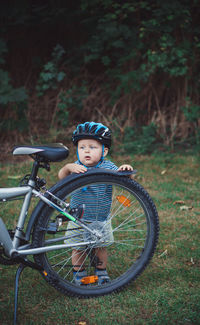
(139, 140)
(16, 98)
(51, 74)
(117, 40)
(8, 94)
(72, 98)
(191, 111)
(17, 122)
(139, 59)
(192, 114)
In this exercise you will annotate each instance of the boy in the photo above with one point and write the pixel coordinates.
(93, 141)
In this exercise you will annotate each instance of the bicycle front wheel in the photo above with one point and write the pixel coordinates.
(126, 217)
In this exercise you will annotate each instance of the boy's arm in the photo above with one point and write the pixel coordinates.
(71, 168)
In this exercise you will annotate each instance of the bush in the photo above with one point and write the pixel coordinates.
(13, 100)
(73, 97)
(139, 140)
(192, 114)
(8, 94)
(51, 74)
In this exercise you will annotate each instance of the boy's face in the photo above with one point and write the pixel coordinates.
(90, 152)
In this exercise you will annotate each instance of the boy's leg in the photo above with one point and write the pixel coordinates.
(100, 270)
(79, 272)
(78, 259)
(101, 253)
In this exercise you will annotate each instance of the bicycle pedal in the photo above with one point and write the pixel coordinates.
(52, 228)
(89, 279)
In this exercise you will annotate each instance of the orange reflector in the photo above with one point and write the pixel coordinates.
(123, 200)
(89, 279)
(45, 273)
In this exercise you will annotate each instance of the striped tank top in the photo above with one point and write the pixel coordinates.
(96, 198)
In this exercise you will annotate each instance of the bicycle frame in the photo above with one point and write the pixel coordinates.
(12, 246)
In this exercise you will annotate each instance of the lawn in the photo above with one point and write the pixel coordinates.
(167, 292)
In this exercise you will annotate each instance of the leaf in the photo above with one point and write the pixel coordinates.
(163, 172)
(185, 207)
(49, 66)
(179, 202)
(163, 254)
(192, 261)
(60, 76)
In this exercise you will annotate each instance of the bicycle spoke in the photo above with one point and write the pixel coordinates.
(127, 220)
(128, 244)
(59, 254)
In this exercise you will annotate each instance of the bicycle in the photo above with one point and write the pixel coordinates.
(130, 232)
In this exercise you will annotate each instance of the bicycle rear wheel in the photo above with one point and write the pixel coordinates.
(130, 235)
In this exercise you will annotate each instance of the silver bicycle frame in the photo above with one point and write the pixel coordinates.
(12, 246)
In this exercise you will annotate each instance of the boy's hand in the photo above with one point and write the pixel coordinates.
(71, 168)
(75, 168)
(125, 167)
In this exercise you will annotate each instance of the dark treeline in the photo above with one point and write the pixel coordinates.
(134, 65)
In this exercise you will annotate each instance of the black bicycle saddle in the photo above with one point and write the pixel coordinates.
(47, 153)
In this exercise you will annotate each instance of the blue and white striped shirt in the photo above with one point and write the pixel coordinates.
(97, 198)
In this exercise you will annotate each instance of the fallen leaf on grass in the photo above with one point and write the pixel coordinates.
(163, 254)
(82, 323)
(179, 202)
(163, 172)
(191, 262)
(185, 207)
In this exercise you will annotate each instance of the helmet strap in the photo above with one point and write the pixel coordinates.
(102, 157)
(78, 157)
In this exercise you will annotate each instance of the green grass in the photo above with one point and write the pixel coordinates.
(167, 292)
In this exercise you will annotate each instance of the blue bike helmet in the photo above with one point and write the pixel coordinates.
(92, 130)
